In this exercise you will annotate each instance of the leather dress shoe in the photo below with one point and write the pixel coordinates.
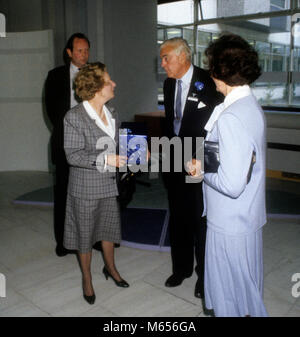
(174, 281)
(199, 289)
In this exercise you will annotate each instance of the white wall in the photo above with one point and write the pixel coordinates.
(25, 59)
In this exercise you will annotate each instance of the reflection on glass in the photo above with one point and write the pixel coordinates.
(173, 32)
(296, 93)
(270, 93)
(279, 57)
(297, 59)
(204, 38)
(188, 34)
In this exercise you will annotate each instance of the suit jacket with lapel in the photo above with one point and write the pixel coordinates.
(81, 137)
(57, 100)
(194, 118)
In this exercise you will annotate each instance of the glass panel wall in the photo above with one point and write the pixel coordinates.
(270, 36)
(264, 51)
(209, 9)
(173, 32)
(295, 74)
(204, 38)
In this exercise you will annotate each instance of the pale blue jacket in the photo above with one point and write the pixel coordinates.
(231, 205)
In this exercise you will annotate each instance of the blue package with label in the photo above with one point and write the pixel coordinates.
(134, 146)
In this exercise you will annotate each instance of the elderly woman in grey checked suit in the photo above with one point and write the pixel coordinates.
(92, 212)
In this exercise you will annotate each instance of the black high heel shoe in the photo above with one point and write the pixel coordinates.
(90, 299)
(122, 283)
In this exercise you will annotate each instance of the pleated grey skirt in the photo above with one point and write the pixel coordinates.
(90, 221)
(234, 274)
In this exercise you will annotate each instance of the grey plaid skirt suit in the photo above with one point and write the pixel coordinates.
(92, 211)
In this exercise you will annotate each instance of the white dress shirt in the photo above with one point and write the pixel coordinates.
(185, 85)
(73, 72)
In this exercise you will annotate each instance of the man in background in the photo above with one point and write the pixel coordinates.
(189, 97)
(59, 98)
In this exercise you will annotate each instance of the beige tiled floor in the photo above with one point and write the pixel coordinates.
(38, 283)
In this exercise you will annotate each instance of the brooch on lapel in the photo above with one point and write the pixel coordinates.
(199, 85)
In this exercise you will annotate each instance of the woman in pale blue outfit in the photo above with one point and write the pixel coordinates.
(235, 205)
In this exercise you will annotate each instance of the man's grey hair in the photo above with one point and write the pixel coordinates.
(180, 45)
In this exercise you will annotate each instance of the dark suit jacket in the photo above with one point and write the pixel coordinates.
(194, 118)
(57, 99)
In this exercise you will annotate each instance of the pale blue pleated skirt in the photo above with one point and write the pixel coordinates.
(234, 274)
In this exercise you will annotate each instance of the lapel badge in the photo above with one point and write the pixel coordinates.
(195, 99)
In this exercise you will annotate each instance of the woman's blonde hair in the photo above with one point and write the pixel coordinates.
(89, 80)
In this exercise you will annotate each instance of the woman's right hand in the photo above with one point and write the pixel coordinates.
(193, 168)
(116, 160)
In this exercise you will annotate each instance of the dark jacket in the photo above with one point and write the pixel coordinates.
(194, 118)
(57, 99)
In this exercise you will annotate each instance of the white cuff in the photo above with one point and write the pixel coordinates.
(105, 162)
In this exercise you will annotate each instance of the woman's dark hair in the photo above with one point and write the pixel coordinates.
(232, 60)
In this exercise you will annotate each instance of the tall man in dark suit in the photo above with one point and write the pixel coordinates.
(189, 98)
(59, 98)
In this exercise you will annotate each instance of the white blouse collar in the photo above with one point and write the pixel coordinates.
(237, 93)
(110, 129)
(234, 95)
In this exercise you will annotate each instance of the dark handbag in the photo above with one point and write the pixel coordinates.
(212, 158)
(126, 187)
